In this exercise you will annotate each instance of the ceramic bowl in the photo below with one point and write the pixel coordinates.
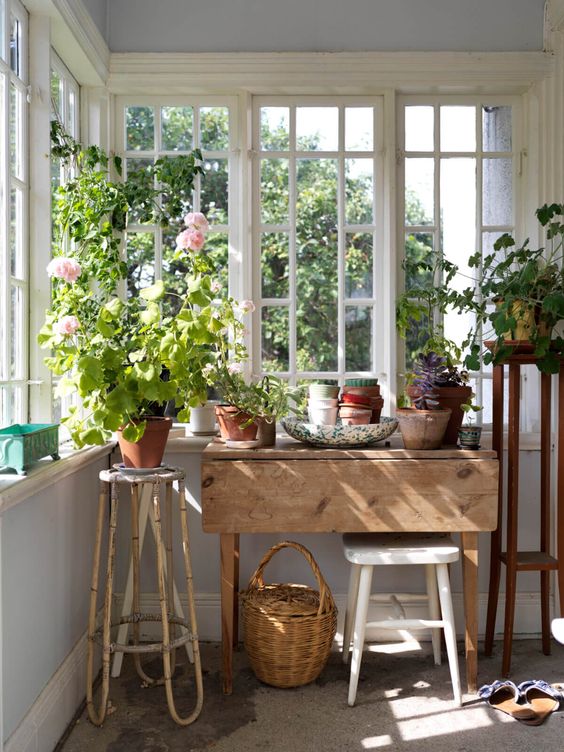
(340, 436)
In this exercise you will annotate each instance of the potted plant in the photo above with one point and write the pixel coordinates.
(469, 435)
(423, 426)
(122, 356)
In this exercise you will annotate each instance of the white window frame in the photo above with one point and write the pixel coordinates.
(381, 324)
(517, 153)
(15, 410)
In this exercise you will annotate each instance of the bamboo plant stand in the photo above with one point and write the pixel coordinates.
(524, 561)
(176, 630)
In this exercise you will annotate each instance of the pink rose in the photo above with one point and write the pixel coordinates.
(67, 325)
(247, 306)
(196, 221)
(64, 268)
(190, 240)
(234, 368)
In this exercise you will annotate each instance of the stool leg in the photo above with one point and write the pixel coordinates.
(352, 596)
(450, 631)
(359, 629)
(434, 610)
(169, 566)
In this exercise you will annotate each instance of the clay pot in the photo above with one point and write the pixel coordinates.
(230, 419)
(367, 391)
(451, 397)
(266, 435)
(354, 416)
(422, 429)
(469, 437)
(149, 450)
(377, 405)
(356, 400)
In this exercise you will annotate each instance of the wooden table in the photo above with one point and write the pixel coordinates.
(293, 488)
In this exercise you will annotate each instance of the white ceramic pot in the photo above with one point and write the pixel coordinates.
(318, 402)
(323, 416)
(202, 419)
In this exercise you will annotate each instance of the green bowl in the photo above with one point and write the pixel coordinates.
(361, 382)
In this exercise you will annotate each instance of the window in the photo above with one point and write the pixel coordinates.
(148, 129)
(318, 241)
(13, 211)
(459, 177)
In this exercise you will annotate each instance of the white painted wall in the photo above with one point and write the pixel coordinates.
(322, 25)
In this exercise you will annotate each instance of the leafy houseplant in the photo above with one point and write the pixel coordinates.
(423, 426)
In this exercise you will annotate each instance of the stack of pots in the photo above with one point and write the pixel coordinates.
(361, 402)
(323, 404)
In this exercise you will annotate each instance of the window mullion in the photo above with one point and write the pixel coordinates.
(292, 261)
(341, 344)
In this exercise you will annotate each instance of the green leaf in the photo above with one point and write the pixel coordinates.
(154, 292)
(151, 314)
(134, 431)
(93, 436)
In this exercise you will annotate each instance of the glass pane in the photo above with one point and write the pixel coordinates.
(140, 128)
(17, 405)
(358, 338)
(496, 128)
(177, 124)
(359, 191)
(419, 128)
(358, 265)
(488, 240)
(214, 194)
(359, 128)
(274, 338)
(458, 128)
(418, 250)
(316, 256)
(16, 229)
(274, 264)
(217, 248)
(15, 45)
(16, 333)
(274, 191)
(419, 191)
(274, 128)
(72, 118)
(497, 192)
(4, 409)
(16, 146)
(56, 95)
(417, 335)
(2, 51)
(139, 214)
(317, 128)
(214, 128)
(140, 247)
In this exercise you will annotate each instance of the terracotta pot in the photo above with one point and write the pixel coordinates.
(149, 450)
(448, 397)
(266, 435)
(354, 416)
(230, 419)
(377, 405)
(367, 391)
(422, 429)
(356, 399)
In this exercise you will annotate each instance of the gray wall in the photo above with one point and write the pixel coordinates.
(322, 25)
(98, 9)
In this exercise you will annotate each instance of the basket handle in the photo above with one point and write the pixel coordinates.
(326, 602)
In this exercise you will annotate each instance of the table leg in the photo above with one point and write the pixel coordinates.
(229, 545)
(560, 490)
(470, 584)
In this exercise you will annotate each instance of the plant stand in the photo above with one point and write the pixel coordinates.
(172, 620)
(520, 561)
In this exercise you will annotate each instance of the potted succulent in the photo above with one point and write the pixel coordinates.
(423, 426)
(469, 435)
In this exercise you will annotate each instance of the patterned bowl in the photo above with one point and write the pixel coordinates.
(345, 437)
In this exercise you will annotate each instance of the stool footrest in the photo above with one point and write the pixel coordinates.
(406, 624)
(147, 647)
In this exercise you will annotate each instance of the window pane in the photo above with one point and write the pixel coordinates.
(358, 338)
(274, 264)
(16, 230)
(15, 45)
(317, 128)
(217, 248)
(274, 338)
(177, 124)
(274, 191)
(419, 128)
(2, 49)
(359, 191)
(56, 95)
(214, 196)
(214, 128)
(359, 128)
(419, 191)
(274, 128)
(72, 119)
(497, 192)
(16, 132)
(458, 129)
(496, 128)
(358, 265)
(418, 250)
(140, 129)
(417, 335)
(140, 248)
(16, 332)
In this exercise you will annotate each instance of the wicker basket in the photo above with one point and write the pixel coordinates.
(289, 629)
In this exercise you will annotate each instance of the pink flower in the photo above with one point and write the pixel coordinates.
(67, 325)
(234, 368)
(215, 286)
(247, 306)
(64, 268)
(190, 240)
(196, 221)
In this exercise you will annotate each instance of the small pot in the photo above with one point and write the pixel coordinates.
(469, 437)
(377, 405)
(202, 418)
(266, 435)
(422, 429)
(323, 391)
(230, 419)
(448, 397)
(149, 450)
(322, 402)
(354, 416)
(367, 391)
(323, 416)
(349, 398)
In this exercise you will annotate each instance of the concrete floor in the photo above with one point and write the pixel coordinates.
(404, 702)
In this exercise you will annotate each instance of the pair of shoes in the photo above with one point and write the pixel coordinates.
(530, 702)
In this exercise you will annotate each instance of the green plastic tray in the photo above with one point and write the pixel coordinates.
(23, 443)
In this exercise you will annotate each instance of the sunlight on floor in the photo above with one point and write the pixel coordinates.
(376, 742)
(441, 724)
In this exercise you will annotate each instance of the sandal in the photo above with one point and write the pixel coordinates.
(541, 697)
(505, 696)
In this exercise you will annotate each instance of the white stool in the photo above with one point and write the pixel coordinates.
(367, 550)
